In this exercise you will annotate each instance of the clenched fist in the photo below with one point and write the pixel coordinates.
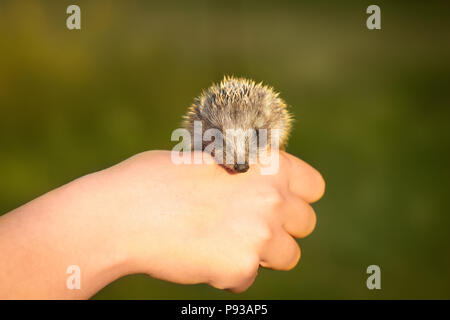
(182, 223)
(200, 224)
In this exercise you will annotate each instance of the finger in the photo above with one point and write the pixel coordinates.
(300, 218)
(304, 180)
(281, 252)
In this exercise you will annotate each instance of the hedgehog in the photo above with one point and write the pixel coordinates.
(239, 105)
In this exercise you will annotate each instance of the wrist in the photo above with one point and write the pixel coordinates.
(106, 226)
(85, 230)
(118, 222)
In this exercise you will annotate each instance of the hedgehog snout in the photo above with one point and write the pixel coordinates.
(241, 167)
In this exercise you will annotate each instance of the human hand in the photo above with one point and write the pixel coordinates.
(199, 224)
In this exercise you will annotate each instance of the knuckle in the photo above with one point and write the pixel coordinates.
(312, 223)
(241, 288)
(264, 233)
(239, 278)
(304, 227)
(245, 273)
(248, 268)
(221, 285)
(272, 198)
(296, 254)
(320, 186)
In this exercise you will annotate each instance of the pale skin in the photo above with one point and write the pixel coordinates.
(181, 223)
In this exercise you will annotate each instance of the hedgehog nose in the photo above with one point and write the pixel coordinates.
(241, 167)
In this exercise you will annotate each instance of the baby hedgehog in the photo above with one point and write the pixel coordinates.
(239, 104)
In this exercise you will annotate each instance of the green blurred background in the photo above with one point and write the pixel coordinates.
(371, 108)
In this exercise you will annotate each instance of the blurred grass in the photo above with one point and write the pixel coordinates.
(371, 107)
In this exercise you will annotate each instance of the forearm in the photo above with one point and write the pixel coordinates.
(71, 225)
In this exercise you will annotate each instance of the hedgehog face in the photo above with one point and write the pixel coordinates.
(237, 148)
(240, 148)
(241, 110)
